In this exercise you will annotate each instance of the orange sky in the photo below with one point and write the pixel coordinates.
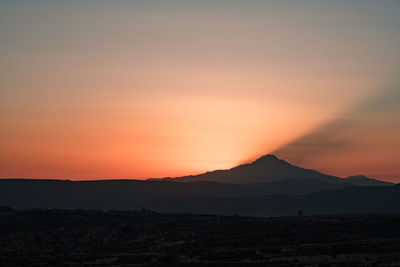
(136, 90)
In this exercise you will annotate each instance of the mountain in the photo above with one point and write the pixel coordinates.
(268, 169)
(267, 186)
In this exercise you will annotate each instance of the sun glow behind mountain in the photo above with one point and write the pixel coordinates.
(135, 90)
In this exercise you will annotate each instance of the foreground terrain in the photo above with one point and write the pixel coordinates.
(77, 237)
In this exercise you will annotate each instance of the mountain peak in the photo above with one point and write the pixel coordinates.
(269, 156)
(268, 159)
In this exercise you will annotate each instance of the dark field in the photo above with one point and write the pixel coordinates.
(71, 237)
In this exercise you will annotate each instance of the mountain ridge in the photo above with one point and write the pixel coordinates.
(269, 168)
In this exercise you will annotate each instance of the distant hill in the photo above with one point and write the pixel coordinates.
(284, 197)
(268, 169)
(362, 180)
(352, 200)
(127, 194)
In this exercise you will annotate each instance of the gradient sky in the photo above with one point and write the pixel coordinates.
(135, 89)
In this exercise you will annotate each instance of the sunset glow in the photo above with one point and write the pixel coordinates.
(140, 89)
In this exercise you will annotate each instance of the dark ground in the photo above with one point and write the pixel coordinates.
(77, 237)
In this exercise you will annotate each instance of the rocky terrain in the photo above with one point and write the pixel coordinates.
(92, 237)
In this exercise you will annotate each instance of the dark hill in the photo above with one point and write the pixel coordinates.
(201, 197)
(133, 194)
(362, 180)
(353, 200)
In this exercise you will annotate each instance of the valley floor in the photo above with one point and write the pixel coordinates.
(77, 237)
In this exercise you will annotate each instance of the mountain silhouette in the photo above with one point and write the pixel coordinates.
(268, 186)
(269, 168)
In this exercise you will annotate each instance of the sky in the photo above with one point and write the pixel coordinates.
(138, 89)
